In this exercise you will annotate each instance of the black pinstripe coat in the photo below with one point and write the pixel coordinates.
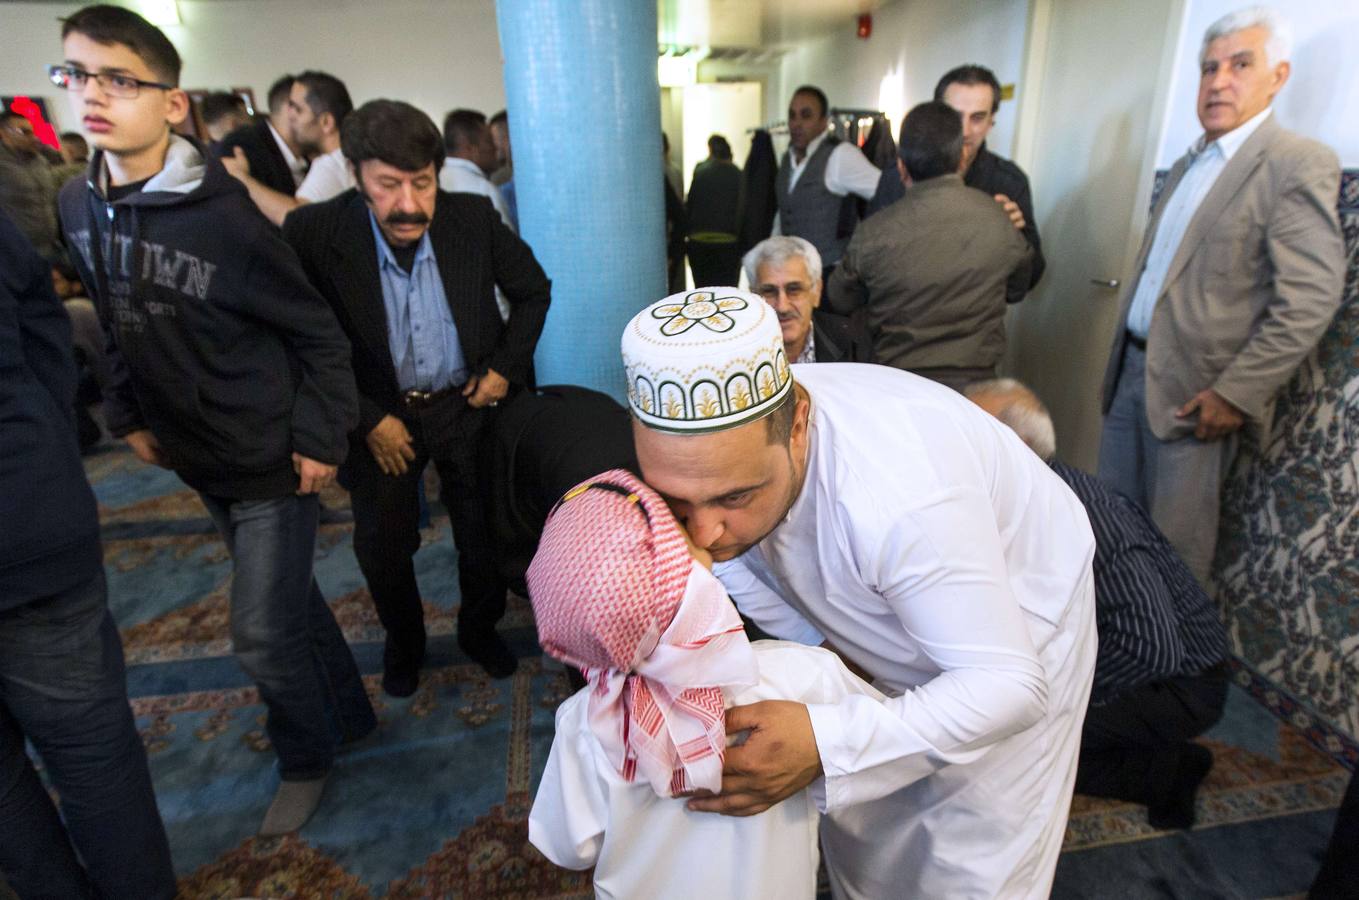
(475, 252)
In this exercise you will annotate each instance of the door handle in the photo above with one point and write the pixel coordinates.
(1105, 282)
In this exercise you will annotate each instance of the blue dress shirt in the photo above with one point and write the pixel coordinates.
(420, 330)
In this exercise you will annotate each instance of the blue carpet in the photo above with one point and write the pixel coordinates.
(434, 804)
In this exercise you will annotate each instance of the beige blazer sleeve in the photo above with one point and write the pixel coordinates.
(1305, 250)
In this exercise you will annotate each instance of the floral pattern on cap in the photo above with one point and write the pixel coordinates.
(704, 361)
(699, 307)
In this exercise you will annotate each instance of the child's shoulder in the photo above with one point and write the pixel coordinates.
(792, 671)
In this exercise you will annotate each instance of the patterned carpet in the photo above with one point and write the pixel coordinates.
(435, 803)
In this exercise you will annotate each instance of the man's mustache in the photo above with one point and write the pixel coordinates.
(405, 218)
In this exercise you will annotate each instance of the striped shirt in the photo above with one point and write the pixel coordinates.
(1153, 618)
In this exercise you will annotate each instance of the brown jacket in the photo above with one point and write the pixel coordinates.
(935, 270)
(1252, 287)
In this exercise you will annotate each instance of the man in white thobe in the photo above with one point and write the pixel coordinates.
(878, 513)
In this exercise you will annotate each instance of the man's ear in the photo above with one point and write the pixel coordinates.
(177, 107)
(801, 413)
(327, 122)
(1281, 73)
(901, 170)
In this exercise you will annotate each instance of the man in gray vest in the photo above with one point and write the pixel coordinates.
(818, 173)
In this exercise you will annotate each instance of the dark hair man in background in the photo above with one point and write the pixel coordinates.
(935, 269)
(222, 114)
(713, 209)
(471, 157)
(316, 109)
(974, 91)
(817, 177)
(274, 160)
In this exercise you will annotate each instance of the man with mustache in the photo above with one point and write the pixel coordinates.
(786, 272)
(412, 273)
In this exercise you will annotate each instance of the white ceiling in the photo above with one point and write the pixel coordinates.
(768, 24)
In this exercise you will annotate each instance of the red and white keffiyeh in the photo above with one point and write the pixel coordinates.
(616, 593)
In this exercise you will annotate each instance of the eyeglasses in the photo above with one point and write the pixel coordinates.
(125, 86)
(793, 290)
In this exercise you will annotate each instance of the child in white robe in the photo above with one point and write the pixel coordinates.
(616, 592)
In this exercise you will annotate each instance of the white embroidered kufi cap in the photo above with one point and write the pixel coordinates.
(705, 360)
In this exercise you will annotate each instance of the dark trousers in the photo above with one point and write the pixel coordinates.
(1339, 876)
(455, 438)
(62, 686)
(285, 636)
(714, 264)
(1130, 746)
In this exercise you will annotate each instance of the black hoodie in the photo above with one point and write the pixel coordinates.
(217, 342)
(49, 532)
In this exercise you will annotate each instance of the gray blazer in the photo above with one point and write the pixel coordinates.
(1252, 287)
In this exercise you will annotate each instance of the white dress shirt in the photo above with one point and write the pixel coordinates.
(934, 549)
(462, 176)
(295, 165)
(848, 171)
(465, 177)
(643, 845)
(1205, 165)
(328, 177)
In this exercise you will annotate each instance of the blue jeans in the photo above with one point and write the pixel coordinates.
(62, 686)
(285, 636)
(1178, 482)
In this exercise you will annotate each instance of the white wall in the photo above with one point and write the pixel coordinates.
(1320, 99)
(914, 42)
(436, 55)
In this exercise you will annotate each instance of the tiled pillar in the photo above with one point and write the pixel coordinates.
(585, 128)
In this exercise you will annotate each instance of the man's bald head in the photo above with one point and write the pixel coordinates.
(1018, 407)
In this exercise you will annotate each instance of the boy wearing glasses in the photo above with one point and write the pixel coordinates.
(224, 366)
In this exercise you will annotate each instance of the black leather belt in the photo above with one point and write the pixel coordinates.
(1139, 343)
(421, 399)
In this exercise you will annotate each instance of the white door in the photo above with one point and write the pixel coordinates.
(1097, 83)
(730, 109)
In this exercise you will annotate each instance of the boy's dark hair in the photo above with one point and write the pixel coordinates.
(9, 115)
(279, 92)
(106, 25)
(931, 141)
(462, 127)
(220, 105)
(819, 94)
(970, 74)
(395, 133)
(719, 148)
(502, 116)
(326, 94)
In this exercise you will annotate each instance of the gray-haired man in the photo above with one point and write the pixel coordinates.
(1239, 274)
(786, 272)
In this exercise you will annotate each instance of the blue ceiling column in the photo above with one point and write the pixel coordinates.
(585, 128)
